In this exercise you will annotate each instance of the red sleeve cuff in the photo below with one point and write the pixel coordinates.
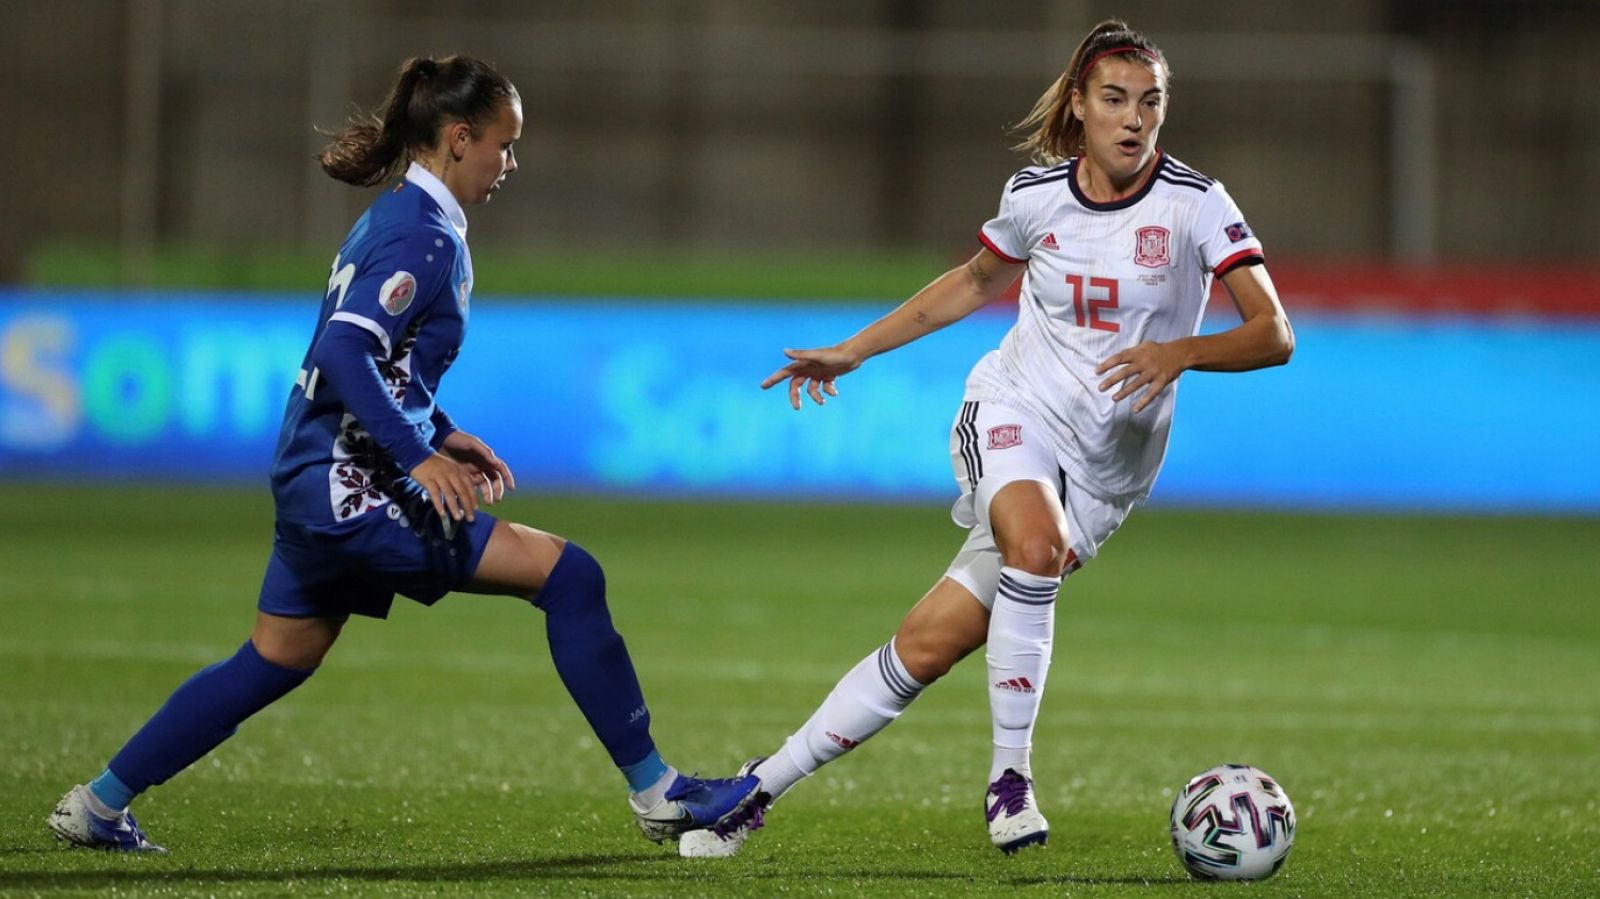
(989, 244)
(1243, 257)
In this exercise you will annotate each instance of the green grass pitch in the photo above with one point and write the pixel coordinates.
(1426, 689)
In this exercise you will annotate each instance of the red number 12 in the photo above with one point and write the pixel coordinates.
(1091, 317)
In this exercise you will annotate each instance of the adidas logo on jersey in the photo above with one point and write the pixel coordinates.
(1015, 684)
(1049, 242)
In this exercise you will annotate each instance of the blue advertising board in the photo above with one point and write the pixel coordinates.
(652, 397)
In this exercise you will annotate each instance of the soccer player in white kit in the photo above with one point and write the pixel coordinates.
(1064, 427)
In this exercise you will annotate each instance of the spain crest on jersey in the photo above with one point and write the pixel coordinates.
(1150, 247)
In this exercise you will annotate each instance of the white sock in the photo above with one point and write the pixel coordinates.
(864, 701)
(1020, 630)
(647, 798)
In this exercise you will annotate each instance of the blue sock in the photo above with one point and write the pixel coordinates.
(592, 660)
(110, 789)
(643, 775)
(204, 711)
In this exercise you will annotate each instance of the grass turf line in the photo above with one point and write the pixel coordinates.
(873, 277)
(1423, 687)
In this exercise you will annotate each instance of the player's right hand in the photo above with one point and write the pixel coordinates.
(449, 485)
(815, 370)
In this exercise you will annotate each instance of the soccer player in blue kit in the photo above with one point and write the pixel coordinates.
(377, 490)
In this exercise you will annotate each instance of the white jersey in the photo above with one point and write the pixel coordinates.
(1101, 278)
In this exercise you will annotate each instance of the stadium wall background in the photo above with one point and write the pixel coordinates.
(831, 125)
(1439, 412)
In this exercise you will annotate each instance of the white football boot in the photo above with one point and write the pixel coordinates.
(1014, 819)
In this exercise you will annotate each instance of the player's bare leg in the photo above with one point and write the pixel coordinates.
(295, 642)
(516, 561)
(1030, 529)
(943, 628)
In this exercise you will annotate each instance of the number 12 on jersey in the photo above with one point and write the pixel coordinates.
(1086, 308)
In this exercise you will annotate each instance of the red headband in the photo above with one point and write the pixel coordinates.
(1104, 53)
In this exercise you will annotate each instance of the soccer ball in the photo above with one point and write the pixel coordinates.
(1232, 823)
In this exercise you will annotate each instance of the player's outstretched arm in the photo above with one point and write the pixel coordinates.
(1262, 339)
(950, 298)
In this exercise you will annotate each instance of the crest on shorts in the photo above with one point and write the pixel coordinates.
(1005, 437)
(397, 293)
(1150, 247)
(462, 293)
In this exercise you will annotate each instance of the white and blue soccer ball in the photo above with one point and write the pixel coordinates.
(1233, 822)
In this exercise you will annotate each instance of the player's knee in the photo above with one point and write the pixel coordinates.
(577, 566)
(575, 578)
(301, 644)
(1044, 554)
(926, 657)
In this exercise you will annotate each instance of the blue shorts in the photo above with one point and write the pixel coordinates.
(356, 567)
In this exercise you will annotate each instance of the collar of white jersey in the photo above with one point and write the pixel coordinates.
(430, 182)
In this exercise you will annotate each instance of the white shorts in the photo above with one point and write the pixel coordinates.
(993, 445)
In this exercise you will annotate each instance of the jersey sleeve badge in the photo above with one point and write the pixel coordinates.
(1238, 231)
(398, 292)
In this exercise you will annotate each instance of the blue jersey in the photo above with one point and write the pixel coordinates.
(363, 412)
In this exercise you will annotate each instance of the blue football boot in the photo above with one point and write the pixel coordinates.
(727, 837)
(694, 803)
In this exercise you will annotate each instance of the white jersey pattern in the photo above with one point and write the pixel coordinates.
(1103, 277)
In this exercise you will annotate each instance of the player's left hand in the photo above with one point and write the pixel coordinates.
(1149, 363)
(492, 475)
